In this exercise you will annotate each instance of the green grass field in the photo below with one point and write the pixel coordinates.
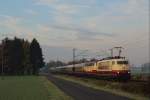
(29, 88)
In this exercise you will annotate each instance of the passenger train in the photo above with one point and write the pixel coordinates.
(111, 67)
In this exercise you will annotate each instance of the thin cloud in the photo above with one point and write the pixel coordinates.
(82, 32)
(77, 23)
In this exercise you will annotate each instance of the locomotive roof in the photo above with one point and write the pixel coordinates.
(116, 57)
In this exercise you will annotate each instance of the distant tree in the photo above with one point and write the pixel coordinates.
(148, 86)
(60, 63)
(93, 59)
(7, 53)
(76, 61)
(36, 56)
(83, 60)
(26, 58)
(17, 55)
(12, 56)
(70, 63)
(20, 57)
(53, 63)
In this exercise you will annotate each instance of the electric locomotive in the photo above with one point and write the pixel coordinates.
(111, 67)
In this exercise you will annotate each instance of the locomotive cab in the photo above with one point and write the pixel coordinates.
(114, 68)
(120, 68)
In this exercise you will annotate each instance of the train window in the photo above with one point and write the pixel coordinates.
(113, 62)
(122, 62)
(103, 65)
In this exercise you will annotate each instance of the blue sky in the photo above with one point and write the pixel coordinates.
(96, 25)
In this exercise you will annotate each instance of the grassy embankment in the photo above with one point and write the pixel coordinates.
(128, 89)
(29, 88)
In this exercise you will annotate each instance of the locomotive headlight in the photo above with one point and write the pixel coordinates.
(128, 72)
(118, 72)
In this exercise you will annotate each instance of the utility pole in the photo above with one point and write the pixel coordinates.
(111, 51)
(74, 50)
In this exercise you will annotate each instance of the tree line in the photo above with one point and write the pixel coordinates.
(20, 57)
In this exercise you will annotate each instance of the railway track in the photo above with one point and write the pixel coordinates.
(139, 81)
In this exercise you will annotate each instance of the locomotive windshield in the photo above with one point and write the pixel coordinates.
(122, 62)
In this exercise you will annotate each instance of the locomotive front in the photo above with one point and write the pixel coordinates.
(114, 68)
(120, 69)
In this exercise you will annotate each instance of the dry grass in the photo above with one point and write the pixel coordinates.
(130, 90)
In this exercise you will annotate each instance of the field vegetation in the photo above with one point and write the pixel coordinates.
(29, 88)
(136, 91)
